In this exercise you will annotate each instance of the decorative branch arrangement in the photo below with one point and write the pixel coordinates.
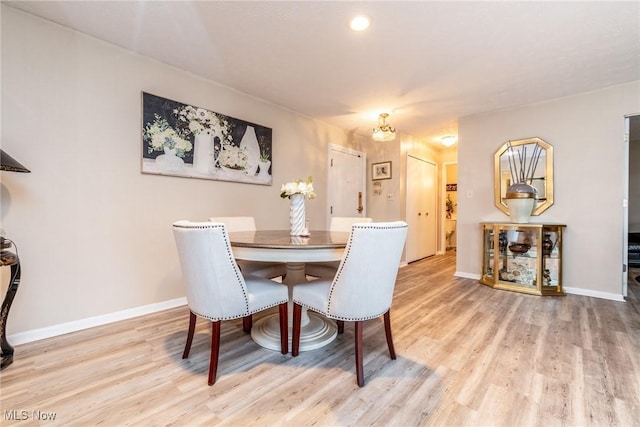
(522, 169)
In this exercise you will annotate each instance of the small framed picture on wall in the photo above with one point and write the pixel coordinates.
(381, 170)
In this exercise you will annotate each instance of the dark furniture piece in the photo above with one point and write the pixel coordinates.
(8, 259)
(634, 250)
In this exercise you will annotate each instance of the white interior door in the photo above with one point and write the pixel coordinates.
(347, 183)
(421, 208)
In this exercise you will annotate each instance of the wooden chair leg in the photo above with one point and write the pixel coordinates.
(192, 328)
(215, 350)
(340, 324)
(297, 319)
(284, 328)
(359, 367)
(387, 331)
(247, 323)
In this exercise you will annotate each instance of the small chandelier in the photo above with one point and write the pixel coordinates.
(384, 132)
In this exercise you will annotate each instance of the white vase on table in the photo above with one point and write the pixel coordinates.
(297, 214)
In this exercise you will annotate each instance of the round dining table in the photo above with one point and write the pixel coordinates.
(279, 246)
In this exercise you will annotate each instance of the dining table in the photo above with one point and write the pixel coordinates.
(280, 246)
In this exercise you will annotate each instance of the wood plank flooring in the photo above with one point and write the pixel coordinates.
(468, 355)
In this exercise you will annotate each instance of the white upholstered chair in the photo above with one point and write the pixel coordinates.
(362, 288)
(344, 223)
(268, 270)
(328, 269)
(216, 288)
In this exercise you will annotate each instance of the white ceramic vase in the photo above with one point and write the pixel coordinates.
(296, 214)
(521, 198)
(250, 145)
(203, 156)
(520, 209)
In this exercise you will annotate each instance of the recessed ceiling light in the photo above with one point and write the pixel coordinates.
(359, 23)
(448, 140)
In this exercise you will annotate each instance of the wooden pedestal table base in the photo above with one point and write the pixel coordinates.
(278, 246)
(317, 331)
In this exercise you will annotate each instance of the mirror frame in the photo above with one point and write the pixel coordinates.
(497, 184)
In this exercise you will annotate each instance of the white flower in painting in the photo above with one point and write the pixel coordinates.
(159, 135)
(233, 157)
(198, 120)
(202, 114)
(195, 127)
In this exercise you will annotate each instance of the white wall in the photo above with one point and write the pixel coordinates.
(93, 233)
(587, 133)
(392, 203)
(381, 206)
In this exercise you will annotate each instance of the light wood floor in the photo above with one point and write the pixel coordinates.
(468, 355)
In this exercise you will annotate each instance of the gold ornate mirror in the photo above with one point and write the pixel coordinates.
(541, 177)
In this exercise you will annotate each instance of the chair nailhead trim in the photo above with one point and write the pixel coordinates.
(214, 319)
(331, 316)
(236, 269)
(346, 256)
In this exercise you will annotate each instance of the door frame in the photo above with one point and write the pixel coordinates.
(442, 247)
(625, 203)
(330, 186)
(625, 208)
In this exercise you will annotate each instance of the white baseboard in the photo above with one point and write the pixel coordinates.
(466, 275)
(573, 291)
(594, 294)
(90, 322)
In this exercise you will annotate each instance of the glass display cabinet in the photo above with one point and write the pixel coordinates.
(522, 257)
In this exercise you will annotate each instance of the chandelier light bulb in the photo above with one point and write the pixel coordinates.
(384, 132)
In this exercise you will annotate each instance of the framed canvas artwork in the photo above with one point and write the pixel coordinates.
(184, 140)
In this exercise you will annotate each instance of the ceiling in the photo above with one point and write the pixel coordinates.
(426, 63)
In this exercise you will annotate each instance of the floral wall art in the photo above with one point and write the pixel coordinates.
(184, 140)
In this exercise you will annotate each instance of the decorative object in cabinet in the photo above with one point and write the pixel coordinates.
(522, 257)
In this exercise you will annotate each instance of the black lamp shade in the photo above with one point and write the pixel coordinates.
(8, 163)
